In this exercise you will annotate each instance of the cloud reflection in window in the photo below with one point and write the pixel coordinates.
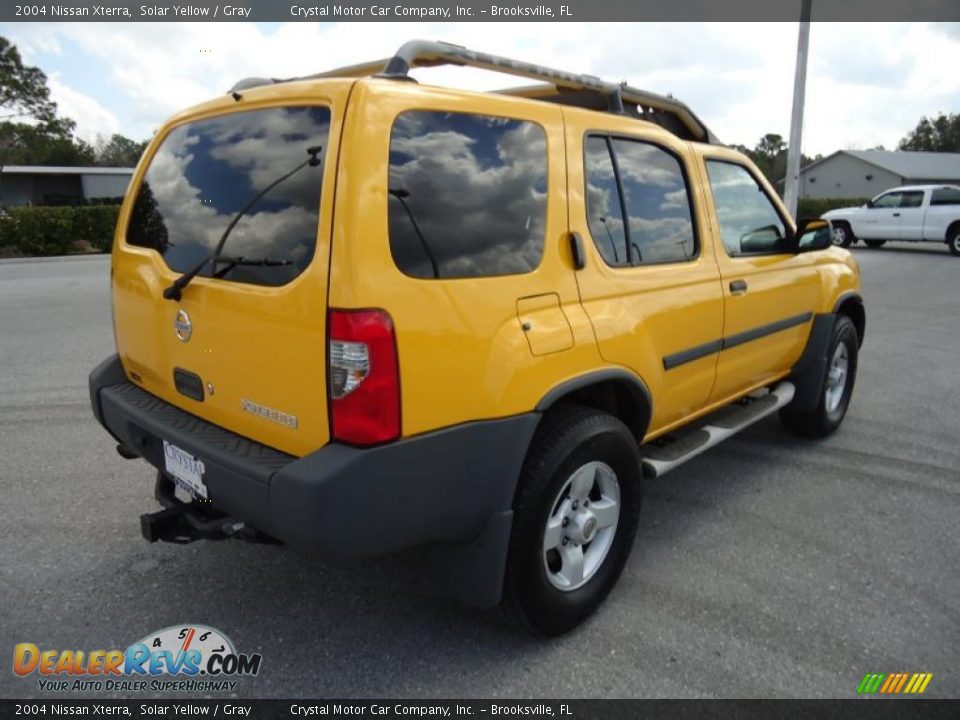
(467, 195)
(742, 206)
(206, 171)
(655, 191)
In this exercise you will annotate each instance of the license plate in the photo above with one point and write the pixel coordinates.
(186, 470)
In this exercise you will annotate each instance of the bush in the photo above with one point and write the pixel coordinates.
(815, 207)
(37, 231)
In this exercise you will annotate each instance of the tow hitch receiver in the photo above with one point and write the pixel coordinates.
(183, 522)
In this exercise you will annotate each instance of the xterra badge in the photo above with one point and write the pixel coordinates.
(269, 413)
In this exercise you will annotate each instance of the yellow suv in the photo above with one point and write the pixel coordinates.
(359, 314)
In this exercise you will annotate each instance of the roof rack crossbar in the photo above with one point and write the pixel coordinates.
(428, 53)
(418, 53)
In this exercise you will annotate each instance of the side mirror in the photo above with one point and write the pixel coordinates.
(814, 234)
(765, 239)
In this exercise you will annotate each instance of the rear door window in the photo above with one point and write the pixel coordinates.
(252, 167)
(467, 194)
(604, 208)
(657, 226)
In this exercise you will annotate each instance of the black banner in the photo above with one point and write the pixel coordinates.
(476, 11)
(886, 709)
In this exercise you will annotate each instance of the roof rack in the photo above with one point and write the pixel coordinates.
(569, 88)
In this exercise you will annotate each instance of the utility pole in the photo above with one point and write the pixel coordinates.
(791, 188)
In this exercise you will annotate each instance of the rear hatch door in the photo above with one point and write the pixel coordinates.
(244, 347)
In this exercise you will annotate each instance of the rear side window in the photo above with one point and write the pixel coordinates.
(467, 195)
(253, 167)
(638, 207)
(945, 196)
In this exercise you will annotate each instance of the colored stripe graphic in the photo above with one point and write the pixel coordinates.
(894, 683)
(870, 683)
(891, 680)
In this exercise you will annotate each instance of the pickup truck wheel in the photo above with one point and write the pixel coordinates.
(874, 243)
(953, 242)
(842, 234)
(576, 512)
(838, 383)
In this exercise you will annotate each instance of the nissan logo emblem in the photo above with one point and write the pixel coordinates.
(182, 325)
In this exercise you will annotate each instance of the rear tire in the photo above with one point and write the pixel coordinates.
(953, 241)
(874, 243)
(838, 381)
(842, 234)
(563, 559)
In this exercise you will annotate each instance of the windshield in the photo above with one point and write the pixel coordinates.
(206, 172)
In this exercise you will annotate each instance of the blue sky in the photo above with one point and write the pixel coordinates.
(869, 83)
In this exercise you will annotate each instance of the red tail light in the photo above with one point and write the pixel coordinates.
(364, 377)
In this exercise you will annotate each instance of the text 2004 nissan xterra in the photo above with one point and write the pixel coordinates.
(360, 314)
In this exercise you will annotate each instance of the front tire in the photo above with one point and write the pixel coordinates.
(874, 243)
(838, 381)
(842, 234)
(953, 241)
(576, 512)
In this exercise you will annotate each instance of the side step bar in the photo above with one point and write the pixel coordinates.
(664, 454)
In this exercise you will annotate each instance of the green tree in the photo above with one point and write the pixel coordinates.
(770, 156)
(24, 94)
(771, 146)
(31, 133)
(118, 151)
(941, 134)
(48, 144)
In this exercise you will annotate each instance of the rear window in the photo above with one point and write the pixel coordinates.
(945, 196)
(252, 167)
(467, 195)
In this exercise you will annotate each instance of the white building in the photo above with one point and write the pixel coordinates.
(865, 173)
(52, 185)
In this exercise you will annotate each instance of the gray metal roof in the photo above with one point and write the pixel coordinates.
(64, 170)
(912, 165)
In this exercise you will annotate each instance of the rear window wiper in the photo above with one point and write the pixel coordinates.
(175, 290)
(232, 262)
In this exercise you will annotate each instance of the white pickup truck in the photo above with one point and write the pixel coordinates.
(914, 213)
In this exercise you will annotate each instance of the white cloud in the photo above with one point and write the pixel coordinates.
(91, 117)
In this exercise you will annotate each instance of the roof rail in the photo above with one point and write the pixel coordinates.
(428, 53)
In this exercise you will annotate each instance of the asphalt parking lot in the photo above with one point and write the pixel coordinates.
(768, 567)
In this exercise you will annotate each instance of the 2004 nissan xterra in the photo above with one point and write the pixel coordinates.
(360, 314)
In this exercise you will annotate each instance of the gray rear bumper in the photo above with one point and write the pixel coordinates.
(453, 486)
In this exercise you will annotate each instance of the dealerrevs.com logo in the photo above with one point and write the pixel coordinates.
(192, 658)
